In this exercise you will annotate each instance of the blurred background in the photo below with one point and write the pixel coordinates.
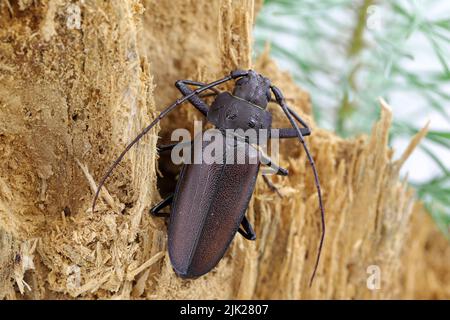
(349, 53)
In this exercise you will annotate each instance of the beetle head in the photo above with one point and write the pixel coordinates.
(254, 88)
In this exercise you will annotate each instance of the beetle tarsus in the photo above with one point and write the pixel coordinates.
(272, 186)
(268, 162)
(247, 232)
(156, 210)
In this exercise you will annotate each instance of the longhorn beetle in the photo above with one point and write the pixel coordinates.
(210, 200)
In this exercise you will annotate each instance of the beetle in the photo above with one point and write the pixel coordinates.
(210, 200)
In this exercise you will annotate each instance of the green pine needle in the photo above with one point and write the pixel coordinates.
(345, 65)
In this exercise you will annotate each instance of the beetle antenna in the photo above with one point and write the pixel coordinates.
(154, 122)
(280, 100)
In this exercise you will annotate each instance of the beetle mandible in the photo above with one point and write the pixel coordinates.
(209, 203)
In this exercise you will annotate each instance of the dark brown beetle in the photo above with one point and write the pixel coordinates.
(210, 200)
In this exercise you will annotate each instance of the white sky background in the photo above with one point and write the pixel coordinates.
(405, 105)
(420, 167)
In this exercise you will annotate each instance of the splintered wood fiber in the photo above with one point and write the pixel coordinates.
(80, 79)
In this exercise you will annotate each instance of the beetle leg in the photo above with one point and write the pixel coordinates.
(169, 147)
(292, 132)
(294, 114)
(271, 185)
(197, 84)
(284, 133)
(268, 162)
(166, 147)
(161, 205)
(195, 100)
(247, 232)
